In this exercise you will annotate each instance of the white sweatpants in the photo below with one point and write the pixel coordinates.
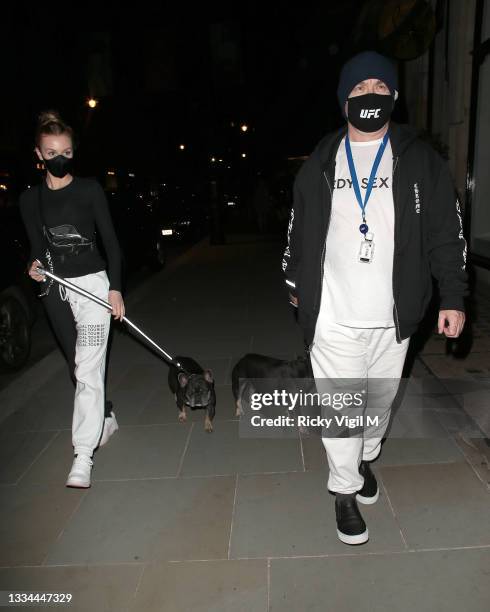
(342, 352)
(93, 324)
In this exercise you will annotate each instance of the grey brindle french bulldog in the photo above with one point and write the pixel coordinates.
(254, 365)
(193, 387)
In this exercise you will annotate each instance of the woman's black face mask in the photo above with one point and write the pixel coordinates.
(369, 112)
(59, 166)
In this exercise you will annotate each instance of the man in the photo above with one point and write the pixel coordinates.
(374, 215)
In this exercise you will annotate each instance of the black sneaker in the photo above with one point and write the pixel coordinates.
(351, 527)
(370, 491)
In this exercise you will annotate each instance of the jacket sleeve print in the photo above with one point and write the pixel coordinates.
(447, 248)
(291, 259)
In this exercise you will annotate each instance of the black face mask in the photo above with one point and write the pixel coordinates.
(369, 112)
(59, 166)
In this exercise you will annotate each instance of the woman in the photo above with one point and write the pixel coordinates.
(81, 325)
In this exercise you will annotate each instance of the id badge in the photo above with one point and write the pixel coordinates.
(366, 252)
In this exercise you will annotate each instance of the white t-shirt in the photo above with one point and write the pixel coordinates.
(354, 293)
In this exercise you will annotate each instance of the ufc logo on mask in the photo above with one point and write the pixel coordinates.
(366, 113)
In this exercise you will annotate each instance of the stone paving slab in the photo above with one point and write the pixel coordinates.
(225, 452)
(439, 505)
(148, 520)
(18, 451)
(442, 581)
(202, 586)
(293, 514)
(31, 519)
(101, 588)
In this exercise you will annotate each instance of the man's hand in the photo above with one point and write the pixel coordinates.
(117, 303)
(455, 322)
(293, 300)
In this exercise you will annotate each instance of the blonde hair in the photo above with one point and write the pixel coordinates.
(50, 122)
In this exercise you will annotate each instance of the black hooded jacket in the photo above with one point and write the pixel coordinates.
(428, 234)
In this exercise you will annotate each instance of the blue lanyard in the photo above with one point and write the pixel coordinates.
(363, 227)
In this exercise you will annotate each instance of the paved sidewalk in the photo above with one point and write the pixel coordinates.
(181, 520)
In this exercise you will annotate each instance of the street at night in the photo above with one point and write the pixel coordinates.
(206, 221)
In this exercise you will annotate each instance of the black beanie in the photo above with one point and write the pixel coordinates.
(366, 65)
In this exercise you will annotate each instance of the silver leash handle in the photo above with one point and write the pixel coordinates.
(100, 301)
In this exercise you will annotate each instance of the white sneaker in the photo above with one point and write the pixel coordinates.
(110, 426)
(79, 476)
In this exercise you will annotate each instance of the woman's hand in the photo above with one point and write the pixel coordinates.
(32, 271)
(116, 301)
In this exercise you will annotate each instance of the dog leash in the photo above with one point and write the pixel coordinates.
(100, 301)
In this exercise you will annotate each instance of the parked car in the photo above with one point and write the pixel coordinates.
(136, 228)
(17, 291)
(181, 213)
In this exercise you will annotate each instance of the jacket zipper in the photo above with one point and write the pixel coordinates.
(324, 248)
(395, 200)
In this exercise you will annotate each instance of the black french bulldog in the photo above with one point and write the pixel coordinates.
(193, 387)
(254, 365)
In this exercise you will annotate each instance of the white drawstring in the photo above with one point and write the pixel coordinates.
(65, 297)
(63, 294)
